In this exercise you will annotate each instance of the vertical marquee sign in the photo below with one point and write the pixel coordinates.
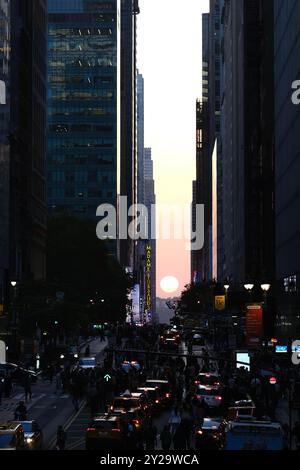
(148, 286)
(254, 325)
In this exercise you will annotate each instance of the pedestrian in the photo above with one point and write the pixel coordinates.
(1, 389)
(174, 420)
(151, 437)
(296, 434)
(179, 440)
(166, 438)
(61, 438)
(7, 385)
(58, 382)
(27, 387)
(102, 335)
(20, 412)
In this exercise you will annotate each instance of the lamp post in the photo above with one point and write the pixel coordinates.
(14, 284)
(226, 287)
(249, 288)
(265, 288)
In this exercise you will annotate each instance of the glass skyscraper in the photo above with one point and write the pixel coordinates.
(83, 106)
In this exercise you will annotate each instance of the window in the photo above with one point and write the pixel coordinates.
(58, 176)
(290, 284)
(81, 176)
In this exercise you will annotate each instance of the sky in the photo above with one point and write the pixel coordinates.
(170, 59)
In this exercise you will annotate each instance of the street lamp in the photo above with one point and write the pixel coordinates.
(265, 288)
(249, 287)
(226, 287)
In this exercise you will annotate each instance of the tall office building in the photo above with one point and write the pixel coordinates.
(201, 259)
(150, 246)
(23, 36)
(140, 138)
(247, 142)
(84, 154)
(287, 166)
(4, 150)
(129, 164)
(214, 101)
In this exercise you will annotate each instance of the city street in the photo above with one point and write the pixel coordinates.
(48, 408)
(150, 230)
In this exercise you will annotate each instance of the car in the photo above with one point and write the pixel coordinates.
(208, 378)
(164, 388)
(135, 415)
(17, 373)
(242, 408)
(198, 340)
(154, 397)
(12, 436)
(105, 431)
(127, 366)
(211, 434)
(211, 395)
(33, 435)
(87, 363)
(169, 340)
(131, 401)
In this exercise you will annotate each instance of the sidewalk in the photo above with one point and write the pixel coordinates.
(283, 414)
(42, 389)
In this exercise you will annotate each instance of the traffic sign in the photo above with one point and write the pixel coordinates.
(273, 380)
(107, 377)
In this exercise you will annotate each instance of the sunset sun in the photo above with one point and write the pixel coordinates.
(169, 284)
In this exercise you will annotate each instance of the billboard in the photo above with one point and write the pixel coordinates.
(254, 325)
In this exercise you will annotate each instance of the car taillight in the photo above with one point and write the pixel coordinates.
(111, 408)
(216, 383)
(168, 395)
(116, 430)
(199, 432)
(157, 401)
(90, 429)
(199, 397)
(218, 398)
(136, 421)
(197, 382)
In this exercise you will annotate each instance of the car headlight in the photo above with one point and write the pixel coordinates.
(29, 440)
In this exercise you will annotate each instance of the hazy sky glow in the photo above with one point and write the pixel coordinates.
(170, 59)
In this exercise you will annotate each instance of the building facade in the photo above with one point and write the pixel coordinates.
(23, 36)
(287, 167)
(129, 133)
(247, 142)
(84, 154)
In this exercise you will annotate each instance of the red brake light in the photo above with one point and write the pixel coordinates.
(136, 421)
(197, 382)
(199, 431)
(218, 398)
(90, 429)
(116, 430)
(168, 395)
